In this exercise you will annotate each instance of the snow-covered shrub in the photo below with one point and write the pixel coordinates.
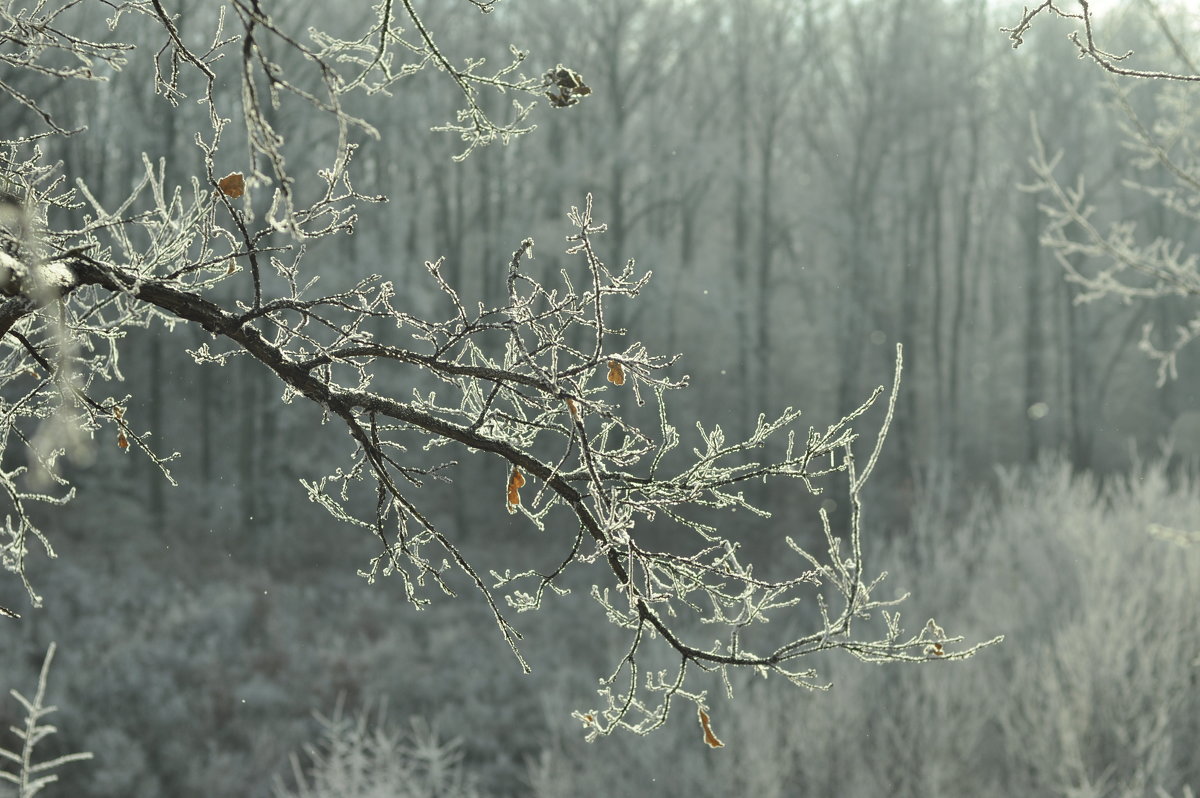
(358, 758)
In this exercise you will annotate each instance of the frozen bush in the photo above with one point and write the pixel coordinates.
(358, 758)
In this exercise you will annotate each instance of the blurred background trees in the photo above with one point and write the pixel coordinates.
(810, 182)
(861, 159)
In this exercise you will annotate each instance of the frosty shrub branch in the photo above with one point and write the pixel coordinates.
(573, 411)
(31, 776)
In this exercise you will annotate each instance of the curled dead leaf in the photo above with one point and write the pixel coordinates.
(616, 373)
(709, 738)
(232, 185)
(516, 481)
(564, 86)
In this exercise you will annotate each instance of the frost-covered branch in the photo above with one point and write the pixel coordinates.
(532, 382)
(574, 411)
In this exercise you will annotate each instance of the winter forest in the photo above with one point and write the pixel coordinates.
(599, 397)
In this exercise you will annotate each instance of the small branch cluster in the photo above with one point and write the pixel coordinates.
(36, 40)
(1110, 62)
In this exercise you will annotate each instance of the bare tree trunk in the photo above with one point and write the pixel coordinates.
(958, 327)
(936, 179)
(248, 445)
(765, 251)
(157, 418)
(1077, 364)
(1034, 340)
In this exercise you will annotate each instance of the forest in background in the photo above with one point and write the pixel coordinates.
(809, 183)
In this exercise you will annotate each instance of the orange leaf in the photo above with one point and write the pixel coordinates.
(122, 441)
(574, 410)
(616, 373)
(232, 185)
(709, 737)
(515, 481)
